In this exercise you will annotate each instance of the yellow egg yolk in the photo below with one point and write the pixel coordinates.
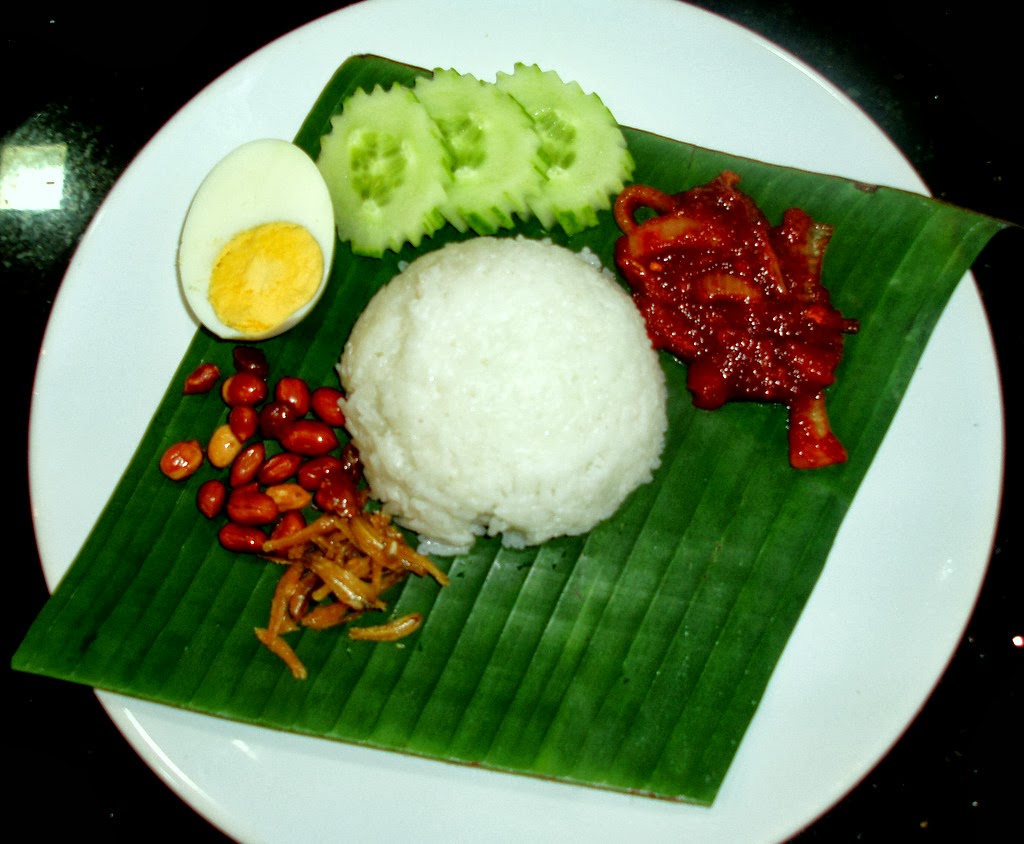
(265, 274)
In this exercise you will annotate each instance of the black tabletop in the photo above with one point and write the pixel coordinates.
(942, 82)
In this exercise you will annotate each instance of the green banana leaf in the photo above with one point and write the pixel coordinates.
(632, 658)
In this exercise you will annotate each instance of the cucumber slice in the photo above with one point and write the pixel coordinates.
(584, 152)
(493, 148)
(387, 170)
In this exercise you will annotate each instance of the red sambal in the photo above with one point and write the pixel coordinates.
(739, 301)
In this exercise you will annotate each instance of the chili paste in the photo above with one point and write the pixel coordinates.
(739, 301)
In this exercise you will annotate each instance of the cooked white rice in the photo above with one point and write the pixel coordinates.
(503, 385)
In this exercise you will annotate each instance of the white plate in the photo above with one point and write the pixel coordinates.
(898, 587)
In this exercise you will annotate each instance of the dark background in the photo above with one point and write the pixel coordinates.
(944, 83)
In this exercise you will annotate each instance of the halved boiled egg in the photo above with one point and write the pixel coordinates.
(257, 243)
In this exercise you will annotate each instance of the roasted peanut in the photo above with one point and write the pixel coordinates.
(314, 471)
(324, 403)
(245, 539)
(279, 468)
(246, 466)
(291, 521)
(182, 459)
(351, 463)
(274, 417)
(244, 388)
(338, 494)
(202, 379)
(210, 497)
(289, 496)
(223, 446)
(244, 421)
(293, 391)
(309, 437)
(250, 359)
(248, 506)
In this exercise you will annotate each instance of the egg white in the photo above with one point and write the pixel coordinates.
(262, 181)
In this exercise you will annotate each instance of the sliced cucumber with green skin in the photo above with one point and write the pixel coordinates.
(401, 162)
(387, 169)
(493, 147)
(584, 152)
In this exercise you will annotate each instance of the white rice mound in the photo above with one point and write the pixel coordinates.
(503, 385)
